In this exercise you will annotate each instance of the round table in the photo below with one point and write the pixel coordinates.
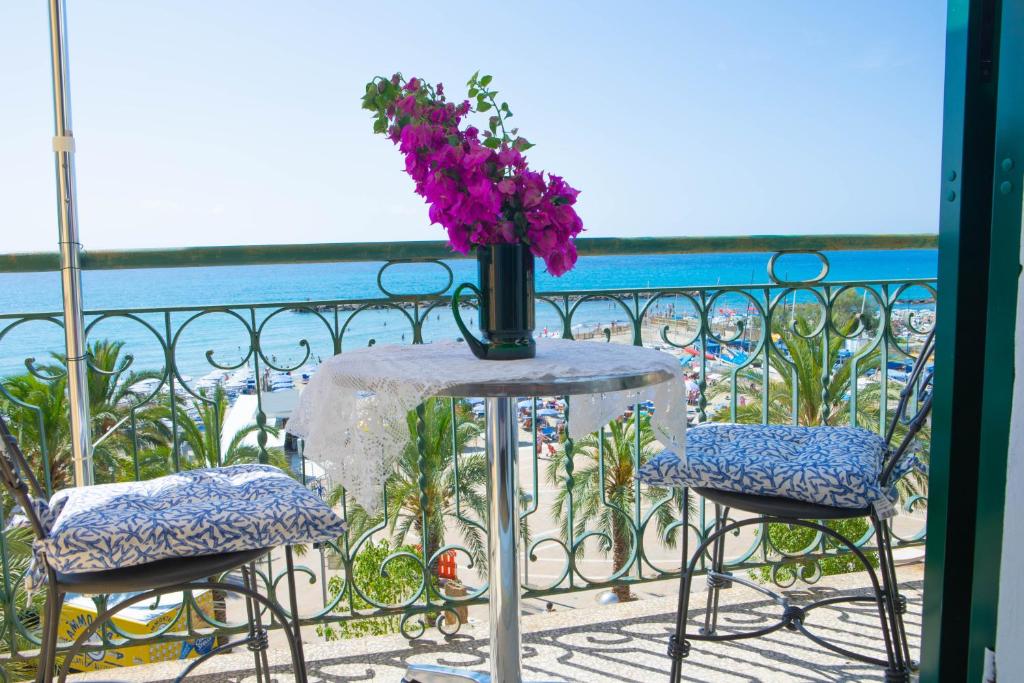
(502, 439)
(352, 416)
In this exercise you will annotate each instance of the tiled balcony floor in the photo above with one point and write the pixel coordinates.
(620, 643)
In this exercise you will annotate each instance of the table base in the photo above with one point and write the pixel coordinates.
(426, 673)
(503, 570)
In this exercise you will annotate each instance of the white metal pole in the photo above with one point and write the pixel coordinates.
(502, 537)
(70, 250)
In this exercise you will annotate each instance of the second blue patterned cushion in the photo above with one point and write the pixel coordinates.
(837, 466)
(196, 512)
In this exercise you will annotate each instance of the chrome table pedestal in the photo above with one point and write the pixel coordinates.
(503, 508)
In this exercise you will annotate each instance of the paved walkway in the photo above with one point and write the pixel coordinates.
(615, 643)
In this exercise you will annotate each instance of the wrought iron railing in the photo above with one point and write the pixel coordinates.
(807, 351)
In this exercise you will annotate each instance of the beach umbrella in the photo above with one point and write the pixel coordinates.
(475, 401)
(548, 412)
(311, 470)
(526, 404)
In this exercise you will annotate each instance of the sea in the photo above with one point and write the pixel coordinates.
(225, 335)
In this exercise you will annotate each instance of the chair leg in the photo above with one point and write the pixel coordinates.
(717, 579)
(678, 646)
(898, 671)
(299, 655)
(895, 606)
(898, 601)
(48, 646)
(257, 633)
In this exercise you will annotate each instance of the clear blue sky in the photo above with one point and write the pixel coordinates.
(239, 122)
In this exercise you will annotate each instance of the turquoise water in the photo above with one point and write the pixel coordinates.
(226, 335)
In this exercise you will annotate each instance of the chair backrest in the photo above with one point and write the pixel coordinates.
(14, 471)
(914, 407)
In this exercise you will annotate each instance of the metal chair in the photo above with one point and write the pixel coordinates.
(147, 582)
(786, 507)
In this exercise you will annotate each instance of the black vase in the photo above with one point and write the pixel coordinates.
(506, 303)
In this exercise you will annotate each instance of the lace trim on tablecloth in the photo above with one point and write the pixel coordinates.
(353, 413)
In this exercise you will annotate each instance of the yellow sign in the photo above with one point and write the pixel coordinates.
(138, 620)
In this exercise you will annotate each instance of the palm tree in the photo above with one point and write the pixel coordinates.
(447, 432)
(801, 374)
(203, 437)
(114, 398)
(38, 414)
(604, 491)
(24, 608)
(38, 407)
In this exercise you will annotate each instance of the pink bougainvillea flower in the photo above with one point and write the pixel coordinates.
(480, 193)
(561, 262)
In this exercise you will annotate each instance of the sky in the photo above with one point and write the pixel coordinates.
(239, 122)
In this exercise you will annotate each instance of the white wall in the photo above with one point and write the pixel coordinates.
(1010, 638)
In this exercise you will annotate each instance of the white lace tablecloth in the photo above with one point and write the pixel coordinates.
(352, 413)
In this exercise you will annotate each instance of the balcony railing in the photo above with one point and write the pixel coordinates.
(773, 351)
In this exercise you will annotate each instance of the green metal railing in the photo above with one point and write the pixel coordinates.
(814, 351)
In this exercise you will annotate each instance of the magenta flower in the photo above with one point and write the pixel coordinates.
(481, 191)
(407, 105)
(561, 262)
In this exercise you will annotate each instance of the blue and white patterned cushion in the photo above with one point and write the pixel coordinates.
(837, 466)
(35, 577)
(197, 512)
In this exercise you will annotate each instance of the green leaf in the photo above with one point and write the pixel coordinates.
(473, 92)
(493, 124)
(472, 79)
(504, 106)
(453, 140)
(522, 144)
(482, 106)
(380, 125)
(492, 143)
(485, 80)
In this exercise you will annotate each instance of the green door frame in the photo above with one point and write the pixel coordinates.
(1004, 270)
(979, 242)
